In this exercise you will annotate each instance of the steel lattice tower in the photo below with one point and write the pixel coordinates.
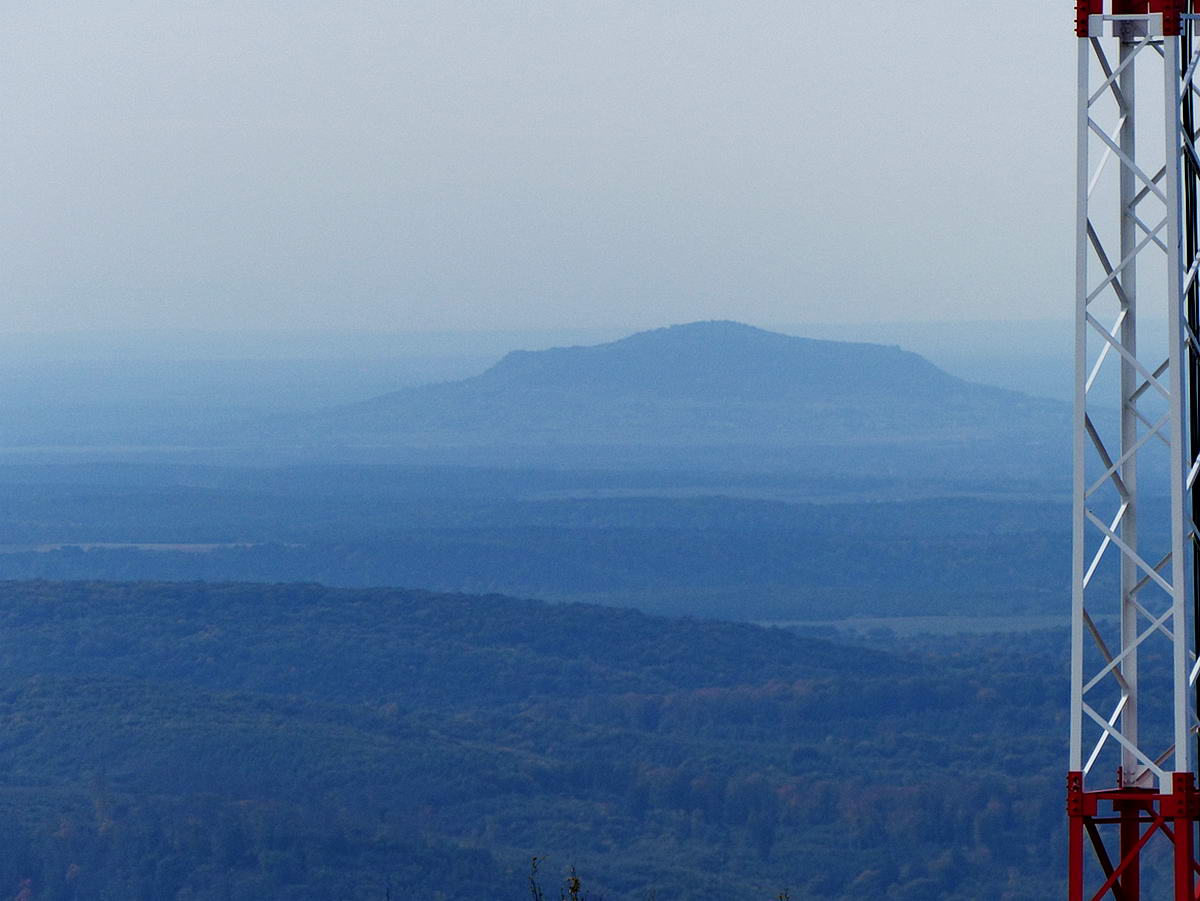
(1136, 456)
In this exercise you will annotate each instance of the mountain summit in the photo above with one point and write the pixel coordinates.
(722, 359)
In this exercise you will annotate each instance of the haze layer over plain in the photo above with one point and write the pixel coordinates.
(482, 165)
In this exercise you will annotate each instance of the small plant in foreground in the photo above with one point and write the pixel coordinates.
(571, 890)
(572, 887)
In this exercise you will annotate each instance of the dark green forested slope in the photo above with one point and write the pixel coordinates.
(294, 741)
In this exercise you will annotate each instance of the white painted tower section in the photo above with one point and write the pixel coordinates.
(1133, 662)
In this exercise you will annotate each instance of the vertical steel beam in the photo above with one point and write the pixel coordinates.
(1080, 433)
(1181, 513)
(1183, 822)
(1131, 834)
(1130, 575)
(1184, 879)
(1075, 857)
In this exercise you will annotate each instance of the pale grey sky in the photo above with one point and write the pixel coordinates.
(410, 165)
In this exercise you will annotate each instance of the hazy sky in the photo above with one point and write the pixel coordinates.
(495, 164)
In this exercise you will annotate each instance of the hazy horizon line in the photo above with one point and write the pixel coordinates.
(545, 329)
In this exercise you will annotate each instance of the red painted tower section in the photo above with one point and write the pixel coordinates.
(1171, 10)
(1115, 826)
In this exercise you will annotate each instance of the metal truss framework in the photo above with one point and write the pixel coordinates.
(1134, 569)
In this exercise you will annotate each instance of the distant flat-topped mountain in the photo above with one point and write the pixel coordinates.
(705, 384)
(708, 360)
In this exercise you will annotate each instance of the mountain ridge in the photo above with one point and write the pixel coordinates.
(696, 358)
(709, 385)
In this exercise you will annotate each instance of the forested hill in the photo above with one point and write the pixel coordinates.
(410, 647)
(238, 742)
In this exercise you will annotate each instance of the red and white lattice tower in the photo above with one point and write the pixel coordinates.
(1131, 796)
